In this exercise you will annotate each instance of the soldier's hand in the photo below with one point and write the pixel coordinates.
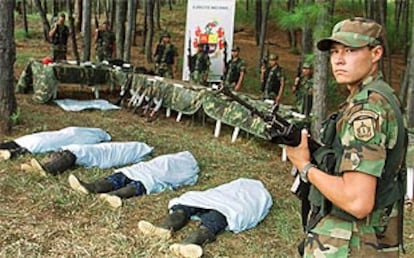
(299, 155)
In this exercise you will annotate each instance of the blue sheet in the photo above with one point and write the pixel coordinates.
(79, 105)
(54, 140)
(164, 172)
(244, 202)
(109, 154)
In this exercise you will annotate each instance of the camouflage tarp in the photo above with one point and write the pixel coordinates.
(221, 107)
(25, 82)
(181, 96)
(87, 75)
(45, 83)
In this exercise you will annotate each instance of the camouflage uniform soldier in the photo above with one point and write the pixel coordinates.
(59, 36)
(235, 70)
(357, 201)
(165, 57)
(303, 89)
(272, 79)
(105, 43)
(200, 66)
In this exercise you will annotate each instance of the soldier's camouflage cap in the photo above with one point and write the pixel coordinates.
(355, 32)
(165, 34)
(307, 65)
(236, 48)
(273, 57)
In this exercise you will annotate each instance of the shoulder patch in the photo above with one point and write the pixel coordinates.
(363, 123)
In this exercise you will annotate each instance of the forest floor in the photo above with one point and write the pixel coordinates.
(43, 217)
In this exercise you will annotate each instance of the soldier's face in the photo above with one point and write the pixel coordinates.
(61, 20)
(352, 65)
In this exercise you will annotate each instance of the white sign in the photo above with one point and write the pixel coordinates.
(209, 22)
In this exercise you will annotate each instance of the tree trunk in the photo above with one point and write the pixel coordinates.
(55, 8)
(131, 14)
(263, 30)
(145, 27)
(46, 25)
(69, 7)
(45, 6)
(134, 28)
(78, 15)
(86, 30)
(382, 21)
(321, 75)
(26, 27)
(406, 26)
(120, 18)
(291, 32)
(7, 58)
(150, 32)
(112, 9)
(157, 8)
(307, 39)
(258, 21)
(410, 95)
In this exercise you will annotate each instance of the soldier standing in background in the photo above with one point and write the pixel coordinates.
(200, 65)
(272, 79)
(104, 42)
(165, 57)
(234, 70)
(59, 36)
(303, 89)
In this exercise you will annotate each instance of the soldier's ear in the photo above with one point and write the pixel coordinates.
(376, 53)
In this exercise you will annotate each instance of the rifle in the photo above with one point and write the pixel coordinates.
(280, 131)
(298, 75)
(125, 89)
(189, 56)
(265, 59)
(225, 60)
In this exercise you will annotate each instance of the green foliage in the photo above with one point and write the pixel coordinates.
(243, 17)
(15, 116)
(302, 15)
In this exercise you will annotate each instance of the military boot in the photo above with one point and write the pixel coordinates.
(174, 221)
(57, 164)
(102, 185)
(114, 198)
(191, 247)
(6, 154)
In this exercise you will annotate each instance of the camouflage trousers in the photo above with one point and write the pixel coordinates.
(199, 78)
(102, 55)
(58, 53)
(164, 70)
(336, 238)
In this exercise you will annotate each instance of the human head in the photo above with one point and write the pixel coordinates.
(235, 51)
(273, 59)
(62, 18)
(307, 68)
(106, 25)
(356, 48)
(166, 37)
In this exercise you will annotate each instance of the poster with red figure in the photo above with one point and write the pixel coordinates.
(211, 23)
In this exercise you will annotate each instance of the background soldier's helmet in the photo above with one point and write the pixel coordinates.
(273, 57)
(307, 65)
(165, 34)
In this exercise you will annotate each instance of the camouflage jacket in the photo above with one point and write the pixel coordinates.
(369, 135)
(60, 38)
(234, 68)
(165, 54)
(200, 62)
(105, 41)
(272, 80)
